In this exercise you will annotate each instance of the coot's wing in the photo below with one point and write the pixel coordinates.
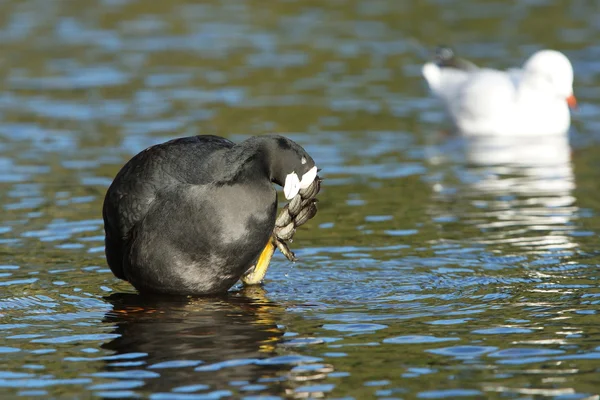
(133, 190)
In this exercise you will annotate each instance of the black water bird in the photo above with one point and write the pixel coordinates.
(191, 216)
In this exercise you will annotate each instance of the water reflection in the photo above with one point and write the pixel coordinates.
(532, 183)
(193, 345)
(518, 191)
(413, 269)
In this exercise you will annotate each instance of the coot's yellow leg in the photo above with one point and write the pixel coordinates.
(260, 270)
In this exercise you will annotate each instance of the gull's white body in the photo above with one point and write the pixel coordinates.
(518, 102)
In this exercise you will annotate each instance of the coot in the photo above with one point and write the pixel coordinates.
(192, 215)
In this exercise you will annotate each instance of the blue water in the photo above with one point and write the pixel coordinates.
(435, 268)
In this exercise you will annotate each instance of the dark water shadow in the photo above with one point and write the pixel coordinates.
(190, 344)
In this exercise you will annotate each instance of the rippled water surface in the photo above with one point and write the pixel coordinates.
(436, 268)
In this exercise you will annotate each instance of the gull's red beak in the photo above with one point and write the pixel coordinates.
(572, 102)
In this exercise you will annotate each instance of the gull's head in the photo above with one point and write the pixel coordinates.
(552, 71)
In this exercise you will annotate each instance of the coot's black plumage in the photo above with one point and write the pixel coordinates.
(191, 215)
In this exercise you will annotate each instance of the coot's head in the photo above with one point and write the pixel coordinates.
(289, 165)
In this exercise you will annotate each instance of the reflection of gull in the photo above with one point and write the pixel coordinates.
(531, 181)
(518, 191)
(540, 165)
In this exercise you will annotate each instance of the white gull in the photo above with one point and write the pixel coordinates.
(528, 101)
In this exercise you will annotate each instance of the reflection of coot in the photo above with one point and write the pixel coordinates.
(176, 332)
